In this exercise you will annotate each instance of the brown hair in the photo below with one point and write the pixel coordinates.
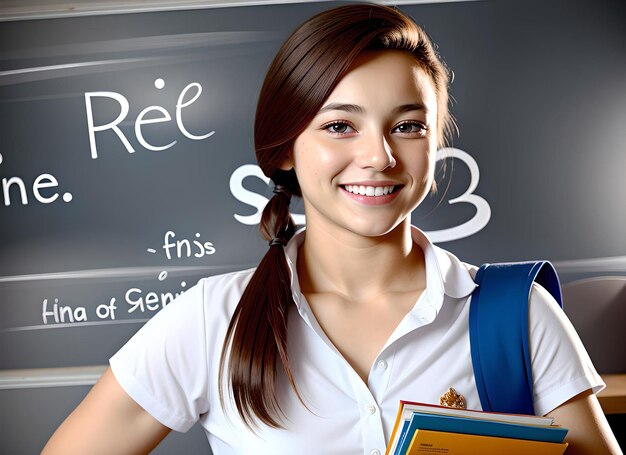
(306, 69)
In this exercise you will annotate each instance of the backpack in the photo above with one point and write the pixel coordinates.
(498, 328)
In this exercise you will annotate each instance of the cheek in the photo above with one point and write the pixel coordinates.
(306, 164)
(422, 162)
(319, 159)
(330, 154)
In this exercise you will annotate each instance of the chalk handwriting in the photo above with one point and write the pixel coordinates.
(183, 248)
(136, 298)
(62, 313)
(104, 311)
(158, 115)
(483, 209)
(41, 189)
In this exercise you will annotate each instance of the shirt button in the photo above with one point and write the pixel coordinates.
(371, 409)
(375, 452)
(382, 365)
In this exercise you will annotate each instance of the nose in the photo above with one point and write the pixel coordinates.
(376, 153)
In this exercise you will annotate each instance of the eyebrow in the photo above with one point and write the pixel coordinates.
(359, 110)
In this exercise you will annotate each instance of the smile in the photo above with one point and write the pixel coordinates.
(369, 190)
(370, 194)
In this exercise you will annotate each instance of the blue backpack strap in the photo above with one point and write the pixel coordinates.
(498, 327)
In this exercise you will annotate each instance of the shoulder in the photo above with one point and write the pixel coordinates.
(226, 283)
(560, 364)
(546, 315)
(546, 319)
(220, 294)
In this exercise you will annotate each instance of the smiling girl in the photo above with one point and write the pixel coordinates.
(312, 351)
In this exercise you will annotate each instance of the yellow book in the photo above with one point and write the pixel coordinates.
(442, 443)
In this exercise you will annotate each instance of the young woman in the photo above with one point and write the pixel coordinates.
(311, 351)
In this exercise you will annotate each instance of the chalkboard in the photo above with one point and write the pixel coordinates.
(127, 167)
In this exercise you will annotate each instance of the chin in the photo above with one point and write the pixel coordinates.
(367, 228)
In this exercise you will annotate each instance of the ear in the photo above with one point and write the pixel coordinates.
(287, 163)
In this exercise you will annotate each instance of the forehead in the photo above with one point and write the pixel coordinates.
(381, 78)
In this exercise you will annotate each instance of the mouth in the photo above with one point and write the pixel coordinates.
(372, 195)
(370, 190)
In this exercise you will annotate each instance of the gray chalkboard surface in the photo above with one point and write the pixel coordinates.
(127, 167)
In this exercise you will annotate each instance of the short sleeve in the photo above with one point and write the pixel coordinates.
(560, 364)
(163, 367)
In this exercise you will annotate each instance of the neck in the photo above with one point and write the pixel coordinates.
(353, 265)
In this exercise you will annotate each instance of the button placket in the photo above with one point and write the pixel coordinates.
(381, 373)
(371, 424)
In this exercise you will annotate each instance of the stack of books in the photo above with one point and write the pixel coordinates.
(429, 429)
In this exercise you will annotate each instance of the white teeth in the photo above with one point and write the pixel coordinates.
(369, 190)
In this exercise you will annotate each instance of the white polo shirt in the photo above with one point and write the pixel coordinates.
(170, 367)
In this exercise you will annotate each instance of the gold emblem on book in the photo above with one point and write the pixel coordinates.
(452, 399)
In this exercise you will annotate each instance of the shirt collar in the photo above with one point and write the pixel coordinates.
(445, 273)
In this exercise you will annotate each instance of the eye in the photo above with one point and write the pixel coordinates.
(411, 127)
(339, 128)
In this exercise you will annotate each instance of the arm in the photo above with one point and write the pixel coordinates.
(107, 421)
(589, 432)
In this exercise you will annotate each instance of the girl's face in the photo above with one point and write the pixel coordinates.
(367, 158)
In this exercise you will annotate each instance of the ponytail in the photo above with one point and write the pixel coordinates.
(257, 334)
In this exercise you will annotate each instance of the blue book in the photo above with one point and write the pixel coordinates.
(477, 427)
(403, 431)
